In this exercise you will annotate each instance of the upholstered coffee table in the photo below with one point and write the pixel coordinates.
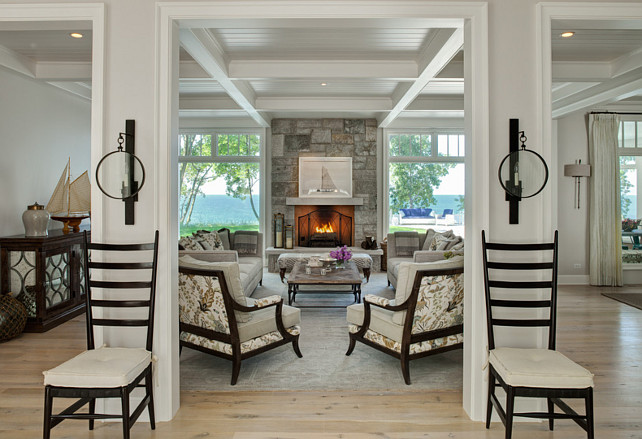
(349, 275)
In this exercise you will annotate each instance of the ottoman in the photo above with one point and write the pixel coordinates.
(286, 262)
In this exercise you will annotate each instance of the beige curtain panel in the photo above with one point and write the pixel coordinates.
(605, 226)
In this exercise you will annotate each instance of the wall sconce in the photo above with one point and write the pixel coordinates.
(120, 174)
(577, 170)
(522, 173)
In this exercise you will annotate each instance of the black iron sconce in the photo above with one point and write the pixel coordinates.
(522, 173)
(120, 174)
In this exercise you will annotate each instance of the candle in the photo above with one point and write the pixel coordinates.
(516, 174)
(288, 242)
(279, 240)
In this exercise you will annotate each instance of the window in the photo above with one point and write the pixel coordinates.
(219, 177)
(425, 180)
(630, 152)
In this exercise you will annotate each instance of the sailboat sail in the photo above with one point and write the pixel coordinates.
(60, 197)
(80, 194)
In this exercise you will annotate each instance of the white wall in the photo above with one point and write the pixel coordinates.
(42, 126)
(572, 145)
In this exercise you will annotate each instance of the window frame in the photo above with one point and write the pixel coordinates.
(214, 158)
(433, 158)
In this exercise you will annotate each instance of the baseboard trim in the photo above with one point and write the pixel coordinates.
(578, 279)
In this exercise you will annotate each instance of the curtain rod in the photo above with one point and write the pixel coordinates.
(614, 112)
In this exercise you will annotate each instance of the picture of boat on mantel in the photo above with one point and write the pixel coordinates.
(70, 202)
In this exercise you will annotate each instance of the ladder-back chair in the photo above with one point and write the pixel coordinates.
(110, 372)
(531, 373)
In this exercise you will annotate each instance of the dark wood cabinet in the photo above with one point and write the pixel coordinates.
(46, 273)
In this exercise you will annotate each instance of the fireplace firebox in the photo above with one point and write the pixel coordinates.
(324, 226)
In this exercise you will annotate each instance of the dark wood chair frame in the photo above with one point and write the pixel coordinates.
(553, 395)
(233, 338)
(408, 338)
(87, 395)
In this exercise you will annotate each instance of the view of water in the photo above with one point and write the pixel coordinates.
(221, 209)
(443, 202)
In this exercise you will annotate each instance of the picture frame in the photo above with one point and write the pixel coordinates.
(325, 177)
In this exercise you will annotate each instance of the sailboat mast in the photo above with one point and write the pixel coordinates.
(68, 188)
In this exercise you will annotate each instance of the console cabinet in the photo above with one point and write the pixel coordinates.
(46, 274)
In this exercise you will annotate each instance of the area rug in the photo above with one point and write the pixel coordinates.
(632, 299)
(324, 366)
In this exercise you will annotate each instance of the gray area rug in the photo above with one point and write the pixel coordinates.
(632, 299)
(324, 366)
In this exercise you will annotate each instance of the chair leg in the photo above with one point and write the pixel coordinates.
(46, 430)
(295, 346)
(150, 391)
(92, 410)
(589, 414)
(353, 343)
(551, 411)
(405, 368)
(124, 400)
(388, 283)
(510, 405)
(236, 368)
(261, 282)
(489, 405)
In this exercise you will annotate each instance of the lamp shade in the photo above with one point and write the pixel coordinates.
(577, 170)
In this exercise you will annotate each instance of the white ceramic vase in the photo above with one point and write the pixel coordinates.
(35, 220)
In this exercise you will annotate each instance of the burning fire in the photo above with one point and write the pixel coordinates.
(326, 228)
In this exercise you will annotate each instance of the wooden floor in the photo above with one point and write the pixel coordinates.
(599, 333)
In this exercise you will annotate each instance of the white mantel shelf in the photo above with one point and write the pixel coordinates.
(323, 201)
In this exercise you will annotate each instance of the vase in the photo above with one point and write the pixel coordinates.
(340, 264)
(35, 220)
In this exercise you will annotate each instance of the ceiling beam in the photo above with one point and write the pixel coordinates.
(63, 71)
(203, 47)
(627, 62)
(442, 48)
(323, 104)
(578, 71)
(77, 88)
(17, 62)
(323, 69)
(622, 87)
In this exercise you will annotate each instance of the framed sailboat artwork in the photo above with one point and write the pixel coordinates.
(325, 176)
(70, 202)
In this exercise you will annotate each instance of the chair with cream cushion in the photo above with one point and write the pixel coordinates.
(524, 277)
(110, 372)
(215, 316)
(424, 318)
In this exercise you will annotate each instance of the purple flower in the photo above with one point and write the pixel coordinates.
(341, 253)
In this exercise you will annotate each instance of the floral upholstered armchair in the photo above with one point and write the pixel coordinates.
(425, 317)
(216, 317)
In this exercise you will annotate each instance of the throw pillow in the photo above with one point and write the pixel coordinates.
(453, 242)
(189, 243)
(224, 234)
(246, 242)
(430, 233)
(406, 243)
(210, 238)
(439, 238)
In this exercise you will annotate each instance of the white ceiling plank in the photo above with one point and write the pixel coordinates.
(619, 88)
(577, 71)
(208, 103)
(324, 104)
(202, 46)
(77, 88)
(437, 104)
(17, 62)
(323, 69)
(63, 71)
(442, 48)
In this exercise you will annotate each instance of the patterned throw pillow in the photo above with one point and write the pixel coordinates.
(209, 239)
(189, 243)
(439, 240)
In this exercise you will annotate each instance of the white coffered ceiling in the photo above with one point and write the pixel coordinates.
(393, 70)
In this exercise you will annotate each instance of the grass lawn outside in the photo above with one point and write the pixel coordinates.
(191, 228)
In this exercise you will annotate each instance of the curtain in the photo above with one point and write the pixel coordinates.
(605, 224)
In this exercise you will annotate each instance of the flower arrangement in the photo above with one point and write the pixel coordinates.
(629, 225)
(341, 254)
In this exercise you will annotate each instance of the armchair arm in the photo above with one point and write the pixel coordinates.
(266, 301)
(433, 255)
(211, 255)
(382, 302)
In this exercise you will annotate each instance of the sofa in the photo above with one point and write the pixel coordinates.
(243, 247)
(419, 215)
(431, 246)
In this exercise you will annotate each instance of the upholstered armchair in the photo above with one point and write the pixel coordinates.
(424, 318)
(215, 316)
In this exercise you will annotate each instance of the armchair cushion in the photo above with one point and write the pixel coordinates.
(102, 367)
(406, 279)
(539, 368)
(381, 321)
(263, 321)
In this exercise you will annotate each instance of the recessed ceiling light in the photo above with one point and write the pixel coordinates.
(568, 34)
(76, 35)
(323, 84)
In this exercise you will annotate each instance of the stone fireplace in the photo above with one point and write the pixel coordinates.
(356, 138)
(324, 226)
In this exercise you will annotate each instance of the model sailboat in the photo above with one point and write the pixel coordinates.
(70, 202)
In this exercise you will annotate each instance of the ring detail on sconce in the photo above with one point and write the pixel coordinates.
(523, 173)
(119, 172)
